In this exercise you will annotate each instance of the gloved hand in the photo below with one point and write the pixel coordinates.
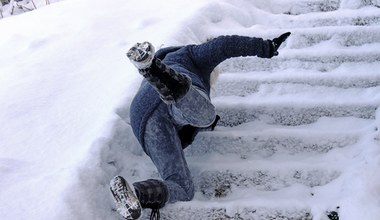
(276, 43)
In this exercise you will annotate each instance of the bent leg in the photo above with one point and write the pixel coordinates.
(187, 104)
(194, 108)
(163, 146)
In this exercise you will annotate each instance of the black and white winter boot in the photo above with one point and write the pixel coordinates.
(152, 194)
(141, 55)
(170, 85)
(127, 203)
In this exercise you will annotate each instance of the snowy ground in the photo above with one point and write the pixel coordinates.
(65, 87)
(13, 7)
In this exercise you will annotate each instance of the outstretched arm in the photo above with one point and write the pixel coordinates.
(208, 55)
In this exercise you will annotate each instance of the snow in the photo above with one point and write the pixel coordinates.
(64, 73)
(65, 87)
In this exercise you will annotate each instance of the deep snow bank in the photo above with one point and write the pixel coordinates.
(63, 74)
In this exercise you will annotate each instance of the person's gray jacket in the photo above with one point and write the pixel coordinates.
(196, 61)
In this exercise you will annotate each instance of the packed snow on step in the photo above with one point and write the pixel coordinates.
(65, 87)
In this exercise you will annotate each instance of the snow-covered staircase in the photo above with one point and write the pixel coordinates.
(297, 131)
(285, 120)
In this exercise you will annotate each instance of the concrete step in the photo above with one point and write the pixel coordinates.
(298, 7)
(218, 176)
(260, 140)
(328, 36)
(307, 59)
(310, 6)
(347, 75)
(265, 145)
(221, 183)
(343, 36)
(290, 115)
(244, 209)
(297, 104)
(245, 84)
(366, 16)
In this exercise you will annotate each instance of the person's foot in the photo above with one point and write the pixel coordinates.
(141, 55)
(127, 203)
(170, 85)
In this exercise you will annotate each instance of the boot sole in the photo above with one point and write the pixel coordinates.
(127, 203)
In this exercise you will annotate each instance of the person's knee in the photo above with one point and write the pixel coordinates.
(195, 109)
(204, 117)
(188, 186)
(210, 116)
(204, 109)
(181, 189)
(190, 192)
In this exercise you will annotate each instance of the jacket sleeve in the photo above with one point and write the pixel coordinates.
(161, 53)
(208, 55)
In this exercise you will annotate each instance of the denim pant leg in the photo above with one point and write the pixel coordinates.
(194, 108)
(163, 146)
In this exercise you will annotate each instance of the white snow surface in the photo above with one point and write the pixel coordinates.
(65, 88)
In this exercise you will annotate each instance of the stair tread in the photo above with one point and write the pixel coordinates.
(290, 115)
(291, 93)
(343, 17)
(323, 125)
(259, 209)
(321, 94)
(346, 71)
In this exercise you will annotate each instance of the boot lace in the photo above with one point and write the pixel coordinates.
(155, 214)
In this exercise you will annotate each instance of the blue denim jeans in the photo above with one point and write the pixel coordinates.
(162, 143)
